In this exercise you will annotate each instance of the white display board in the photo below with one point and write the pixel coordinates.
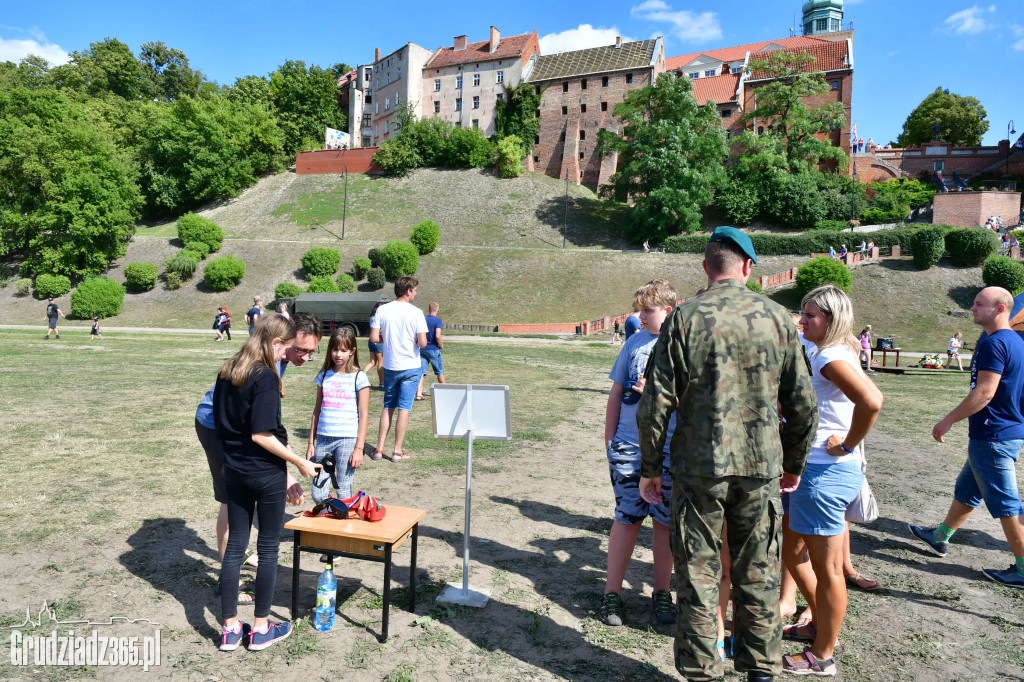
(484, 408)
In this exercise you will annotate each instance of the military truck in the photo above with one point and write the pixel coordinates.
(336, 310)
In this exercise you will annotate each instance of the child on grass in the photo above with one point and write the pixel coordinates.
(655, 300)
(95, 328)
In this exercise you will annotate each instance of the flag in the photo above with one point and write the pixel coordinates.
(853, 134)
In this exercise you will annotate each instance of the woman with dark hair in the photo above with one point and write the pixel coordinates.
(247, 415)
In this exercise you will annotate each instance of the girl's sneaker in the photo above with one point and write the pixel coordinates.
(230, 639)
(275, 633)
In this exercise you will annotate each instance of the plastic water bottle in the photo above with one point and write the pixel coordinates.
(326, 589)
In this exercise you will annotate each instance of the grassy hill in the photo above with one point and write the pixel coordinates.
(500, 257)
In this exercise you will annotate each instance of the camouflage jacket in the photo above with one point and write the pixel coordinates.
(730, 357)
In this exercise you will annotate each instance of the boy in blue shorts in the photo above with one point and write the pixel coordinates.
(654, 300)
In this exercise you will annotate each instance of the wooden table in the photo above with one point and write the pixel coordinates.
(359, 539)
(885, 354)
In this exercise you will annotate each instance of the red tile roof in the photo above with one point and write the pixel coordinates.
(829, 56)
(717, 89)
(732, 54)
(347, 78)
(510, 47)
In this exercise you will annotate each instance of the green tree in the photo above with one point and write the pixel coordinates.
(168, 71)
(671, 155)
(961, 120)
(515, 115)
(107, 67)
(68, 198)
(305, 102)
(251, 90)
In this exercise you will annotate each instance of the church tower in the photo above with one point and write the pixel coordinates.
(822, 16)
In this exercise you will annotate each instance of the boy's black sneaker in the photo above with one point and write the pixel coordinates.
(611, 609)
(664, 609)
(927, 536)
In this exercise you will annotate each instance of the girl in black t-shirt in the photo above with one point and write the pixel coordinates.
(247, 414)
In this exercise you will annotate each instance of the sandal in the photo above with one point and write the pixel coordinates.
(400, 456)
(793, 634)
(377, 455)
(861, 583)
(811, 665)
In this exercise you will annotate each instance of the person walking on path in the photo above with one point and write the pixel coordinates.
(52, 311)
(253, 314)
(727, 363)
(431, 353)
(95, 331)
(402, 329)
(994, 409)
(953, 351)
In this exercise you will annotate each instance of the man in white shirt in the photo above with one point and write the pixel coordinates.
(402, 328)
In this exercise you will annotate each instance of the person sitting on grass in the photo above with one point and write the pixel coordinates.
(655, 300)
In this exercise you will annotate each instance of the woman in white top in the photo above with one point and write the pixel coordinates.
(848, 405)
(953, 351)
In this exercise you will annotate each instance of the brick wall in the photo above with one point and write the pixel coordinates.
(328, 161)
(973, 208)
(921, 161)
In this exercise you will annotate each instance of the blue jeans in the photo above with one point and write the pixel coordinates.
(400, 388)
(342, 448)
(989, 474)
(432, 358)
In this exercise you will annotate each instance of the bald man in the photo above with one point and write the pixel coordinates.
(994, 410)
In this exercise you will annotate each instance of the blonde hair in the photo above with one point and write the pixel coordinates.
(258, 350)
(657, 292)
(837, 307)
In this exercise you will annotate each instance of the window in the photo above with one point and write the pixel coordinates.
(629, 78)
(821, 24)
(476, 123)
(604, 106)
(458, 82)
(437, 85)
(760, 130)
(387, 78)
(458, 104)
(581, 156)
(583, 134)
(476, 102)
(385, 127)
(726, 113)
(437, 107)
(835, 85)
(398, 99)
(536, 114)
(376, 109)
(501, 76)
(399, 73)
(604, 81)
(501, 97)
(565, 111)
(536, 139)
(536, 89)
(709, 73)
(476, 79)
(834, 23)
(387, 103)
(536, 159)
(583, 84)
(938, 165)
(694, 74)
(583, 108)
(565, 86)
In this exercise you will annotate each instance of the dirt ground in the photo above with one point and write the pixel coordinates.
(540, 525)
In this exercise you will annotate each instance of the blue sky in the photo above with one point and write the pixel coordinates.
(903, 49)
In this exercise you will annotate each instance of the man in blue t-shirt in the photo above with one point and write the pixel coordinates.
(994, 410)
(430, 355)
(253, 314)
(632, 325)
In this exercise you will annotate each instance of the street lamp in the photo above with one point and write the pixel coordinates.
(1010, 130)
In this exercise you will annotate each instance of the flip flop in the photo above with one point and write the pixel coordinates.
(861, 583)
(419, 397)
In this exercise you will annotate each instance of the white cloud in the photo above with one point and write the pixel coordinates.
(892, 53)
(16, 49)
(968, 21)
(581, 38)
(685, 25)
(1019, 45)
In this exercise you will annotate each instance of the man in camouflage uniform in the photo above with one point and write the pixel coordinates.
(729, 357)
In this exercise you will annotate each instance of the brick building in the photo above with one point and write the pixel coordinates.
(878, 164)
(462, 83)
(397, 80)
(579, 91)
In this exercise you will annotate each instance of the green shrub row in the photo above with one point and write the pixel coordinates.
(814, 241)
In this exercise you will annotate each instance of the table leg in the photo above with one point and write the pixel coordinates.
(412, 569)
(387, 593)
(897, 358)
(296, 554)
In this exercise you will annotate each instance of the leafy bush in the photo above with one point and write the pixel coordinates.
(24, 286)
(399, 258)
(346, 284)
(510, 157)
(100, 296)
(195, 228)
(174, 280)
(969, 246)
(831, 225)
(374, 255)
(814, 241)
(224, 273)
(192, 254)
(140, 276)
(320, 261)
(822, 270)
(928, 246)
(1001, 271)
(396, 157)
(795, 201)
(360, 267)
(322, 284)
(376, 278)
(467, 148)
(183, 265)
(52, 285)
(754, 286)
(739, 203)
(425, 236)
(287, 290)
(201, 248)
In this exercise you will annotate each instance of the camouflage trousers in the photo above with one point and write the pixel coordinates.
(752, 510)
